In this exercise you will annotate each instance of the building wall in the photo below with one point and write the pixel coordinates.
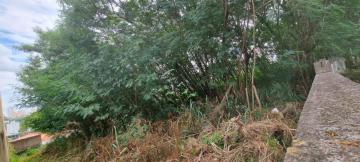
(24, 143)
(12, 127)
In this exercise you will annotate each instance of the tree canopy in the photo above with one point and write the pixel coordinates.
(108, 61)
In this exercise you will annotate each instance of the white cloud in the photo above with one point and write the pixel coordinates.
(6, 62)
(18, 18)
(8, 79)
(8, 82)
(17, 37)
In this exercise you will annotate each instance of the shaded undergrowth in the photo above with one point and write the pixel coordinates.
(353, 74)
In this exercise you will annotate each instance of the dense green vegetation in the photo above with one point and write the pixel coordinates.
(354, 75)
(109, 61)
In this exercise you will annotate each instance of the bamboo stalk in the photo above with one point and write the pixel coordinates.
(257, 98)
(247, 98)
(253, 89)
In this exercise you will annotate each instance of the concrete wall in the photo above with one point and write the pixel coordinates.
(328, 129)
(336, 65)
(322, 66)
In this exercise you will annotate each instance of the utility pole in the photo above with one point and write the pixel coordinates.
(4, 153)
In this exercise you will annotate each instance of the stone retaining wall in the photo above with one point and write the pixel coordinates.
(329, 127)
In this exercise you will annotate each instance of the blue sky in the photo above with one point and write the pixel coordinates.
(18, 18)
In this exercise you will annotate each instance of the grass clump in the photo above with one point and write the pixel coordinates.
(213, 138)
(28, 155)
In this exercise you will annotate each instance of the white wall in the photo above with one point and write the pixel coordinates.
(12, 127)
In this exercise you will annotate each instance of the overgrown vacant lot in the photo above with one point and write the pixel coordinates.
(184, 138)
(184, 80)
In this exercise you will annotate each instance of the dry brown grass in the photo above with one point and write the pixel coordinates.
(254, 141)
(183, 139)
